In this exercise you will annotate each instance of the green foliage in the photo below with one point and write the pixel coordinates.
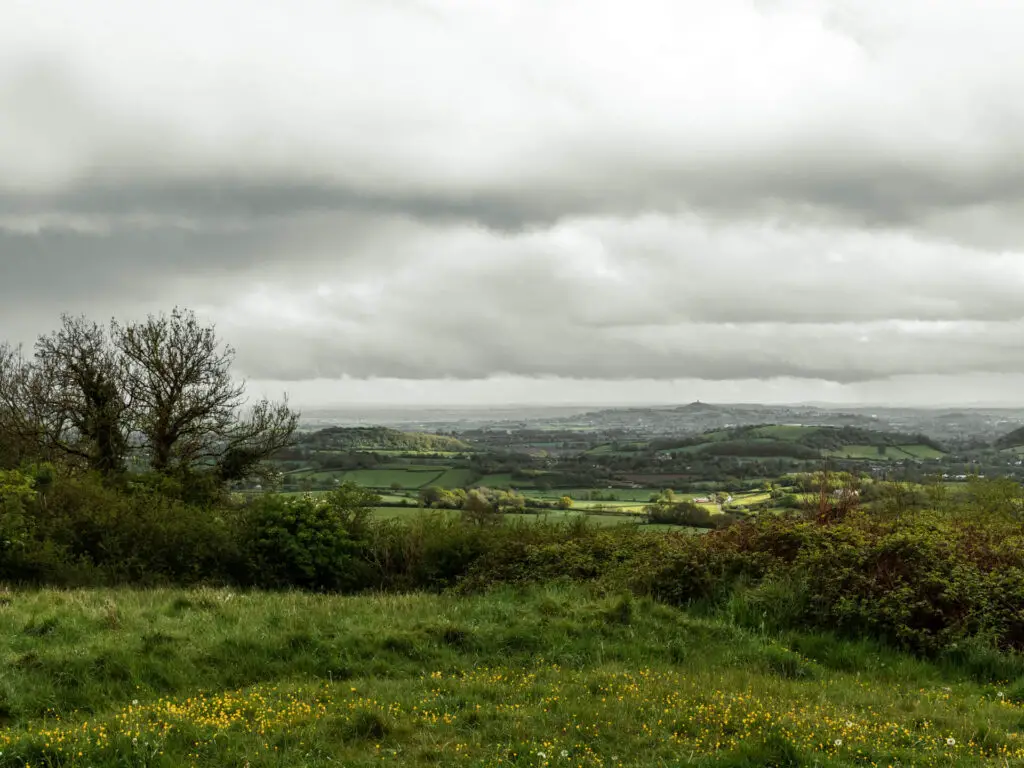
(478, 510)
(800, 442)
(923, 582)
(310, 542)
(687, 513)
(17, 494)
(215, 677)
(380, 438)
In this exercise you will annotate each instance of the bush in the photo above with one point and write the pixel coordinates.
(310, 542)
(923, 583)
(141, 536)
(432, 551)
(23, 556)
(80, 530)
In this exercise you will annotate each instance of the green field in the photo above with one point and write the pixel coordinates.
(419, 454)
(580, 494)
(608, 449)
(750, 498)
(922, 451)
(504, 481)
(454, 478)
(892, 452)
(555, 516)
(789, 432)
(547, 677)
(407, 478)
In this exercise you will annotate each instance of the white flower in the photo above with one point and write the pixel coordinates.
(950, 742)
(135, 702)
(565, 753)
(542, 755)
(1001, 695)
(838, 742)
(849, 724)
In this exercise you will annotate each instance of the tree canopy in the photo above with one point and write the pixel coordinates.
(160, 391)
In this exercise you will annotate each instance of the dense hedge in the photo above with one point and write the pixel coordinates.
(924, 581)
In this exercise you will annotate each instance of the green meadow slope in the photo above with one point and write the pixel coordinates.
(551, 676)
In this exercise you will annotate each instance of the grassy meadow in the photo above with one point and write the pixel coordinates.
(551, 676)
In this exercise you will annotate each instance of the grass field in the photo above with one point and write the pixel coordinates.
(791, 432)
(861, 452)
(421, 454)
(505, 481)
(621, 494)
(554, 676)
(608, 449)
(454, 478)
(406, 478)
(750, 498)
(922, 451)
(892, 452)
(594, 518)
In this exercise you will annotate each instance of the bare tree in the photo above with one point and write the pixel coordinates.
(78, 393)
(187, 408)
(19, 430)
(68, 401)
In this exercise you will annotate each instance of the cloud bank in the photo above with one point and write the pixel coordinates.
(571, 191)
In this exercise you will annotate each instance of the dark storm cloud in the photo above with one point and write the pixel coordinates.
(838, 187)
(209, 200)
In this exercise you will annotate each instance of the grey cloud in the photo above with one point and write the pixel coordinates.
(824, 185)
(850, 127)
(657, 190)
(218, 198)
(685, 352)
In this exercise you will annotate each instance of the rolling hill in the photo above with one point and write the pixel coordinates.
(804, 442)
(381, 439)
(1011, 440)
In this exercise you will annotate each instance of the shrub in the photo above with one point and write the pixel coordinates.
(140, 536)
(923, 583)
(22, 556)
(310, 542)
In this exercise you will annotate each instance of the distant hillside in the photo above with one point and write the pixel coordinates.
(380, 439)
(802, 442)
(1013, 439)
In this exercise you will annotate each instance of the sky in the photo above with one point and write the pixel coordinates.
(539, 201)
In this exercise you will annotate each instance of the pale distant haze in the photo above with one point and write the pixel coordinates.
(539, 201)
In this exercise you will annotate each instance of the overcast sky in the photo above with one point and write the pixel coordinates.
(449, 201)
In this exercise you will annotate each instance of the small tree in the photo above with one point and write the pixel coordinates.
(185, 404)
(565, 502)
(478, 510)
(69, 400)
